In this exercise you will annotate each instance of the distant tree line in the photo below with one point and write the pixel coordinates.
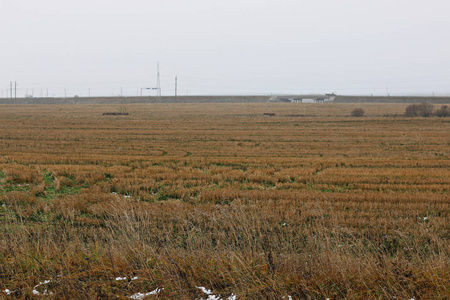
(426, 110)
(414, 110)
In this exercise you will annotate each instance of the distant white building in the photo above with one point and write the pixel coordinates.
(304, 98)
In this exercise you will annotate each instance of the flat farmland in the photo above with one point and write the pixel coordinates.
(309, 203)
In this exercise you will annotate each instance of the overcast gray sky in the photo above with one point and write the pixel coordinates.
(225, 47)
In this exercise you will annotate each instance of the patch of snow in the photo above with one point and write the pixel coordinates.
(205, 290)
(214, 297)
(125, 278)
(211, 297)
(8, 292)
(424, 218)
(36, 292)
(142, 295)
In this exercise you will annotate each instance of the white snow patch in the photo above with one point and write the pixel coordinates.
(142, 295)
(125, 278)
(205, 290)
(8, 292)
(424, 218)
(36, 292)
(214, 297)
(211, 297)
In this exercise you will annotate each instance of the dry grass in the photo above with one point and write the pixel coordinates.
(217, 195)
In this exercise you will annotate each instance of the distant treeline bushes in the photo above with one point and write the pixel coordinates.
(426, 110)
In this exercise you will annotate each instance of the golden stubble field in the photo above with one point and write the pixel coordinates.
(310, 203)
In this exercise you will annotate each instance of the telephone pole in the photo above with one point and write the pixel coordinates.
(15, 89)
(176, 85)
(158, 82)
(10, 89)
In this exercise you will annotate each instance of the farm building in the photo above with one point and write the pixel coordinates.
(304, 98)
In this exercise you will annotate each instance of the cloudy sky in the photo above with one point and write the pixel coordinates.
(225, 47)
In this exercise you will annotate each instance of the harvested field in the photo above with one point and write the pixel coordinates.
(174, 197)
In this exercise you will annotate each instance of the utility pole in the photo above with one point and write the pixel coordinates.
(158, 82)
(10, 88)
(15, 89)
(176, 85)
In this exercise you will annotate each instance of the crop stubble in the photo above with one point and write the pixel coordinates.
(218, 195)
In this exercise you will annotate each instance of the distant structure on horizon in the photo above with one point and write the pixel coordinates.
(304, 98)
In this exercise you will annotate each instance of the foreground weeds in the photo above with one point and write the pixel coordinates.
(244, 206)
